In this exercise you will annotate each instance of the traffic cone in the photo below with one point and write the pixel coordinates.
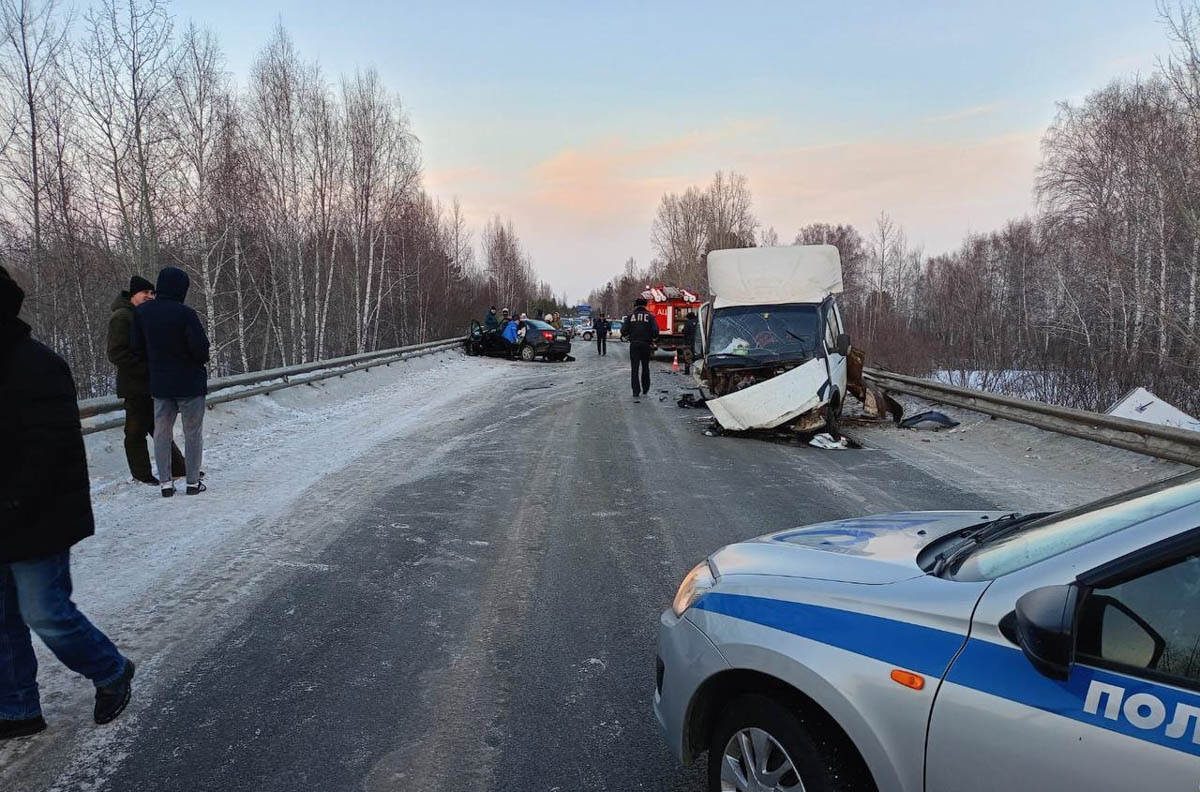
(675, 363)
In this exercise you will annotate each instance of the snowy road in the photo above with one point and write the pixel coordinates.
(446, 575)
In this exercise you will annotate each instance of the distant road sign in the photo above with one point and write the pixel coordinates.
(583, 310)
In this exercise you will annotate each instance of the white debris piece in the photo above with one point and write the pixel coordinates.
(1142, 405)
(826, 441)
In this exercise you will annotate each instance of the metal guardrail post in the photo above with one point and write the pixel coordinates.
(1163, 442)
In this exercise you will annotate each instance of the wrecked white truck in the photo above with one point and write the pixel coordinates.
(774, 348)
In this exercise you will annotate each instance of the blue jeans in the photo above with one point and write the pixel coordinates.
(37, 594)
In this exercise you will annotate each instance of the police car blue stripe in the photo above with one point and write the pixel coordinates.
(911, 646)
(1005, 672)
(990, 668)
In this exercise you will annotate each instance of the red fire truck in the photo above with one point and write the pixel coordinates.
(670, 306)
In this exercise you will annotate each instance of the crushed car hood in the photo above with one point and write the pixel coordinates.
(772, 402)
(774, 275)
(872, 550)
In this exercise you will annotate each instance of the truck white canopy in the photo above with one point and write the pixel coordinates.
(774, 275)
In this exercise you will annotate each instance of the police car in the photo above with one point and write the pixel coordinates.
(946, 651)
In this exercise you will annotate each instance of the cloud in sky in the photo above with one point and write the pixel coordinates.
(584, 209)
(967, 112)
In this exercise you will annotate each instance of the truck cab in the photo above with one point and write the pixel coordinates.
(774, 345)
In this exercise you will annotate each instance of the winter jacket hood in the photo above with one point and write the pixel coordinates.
(11, 296)
(172, 284)
(170, 337)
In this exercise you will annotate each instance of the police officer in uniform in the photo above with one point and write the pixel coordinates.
(641, 329)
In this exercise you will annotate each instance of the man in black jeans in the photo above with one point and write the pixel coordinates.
(600, 326)
(641, 328)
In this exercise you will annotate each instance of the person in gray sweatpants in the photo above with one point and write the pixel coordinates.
(172, 340)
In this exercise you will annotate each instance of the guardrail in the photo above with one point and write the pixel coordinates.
(254, 383)
(1164, 442)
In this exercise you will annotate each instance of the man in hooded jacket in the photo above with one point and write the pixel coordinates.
(172, 340)
(45, 508)
(133, 383)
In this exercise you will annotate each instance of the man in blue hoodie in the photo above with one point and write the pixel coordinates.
(172, 340)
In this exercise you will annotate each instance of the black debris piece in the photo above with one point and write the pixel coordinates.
(928, 417)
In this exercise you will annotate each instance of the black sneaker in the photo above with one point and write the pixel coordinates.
(168, 491)
(196, 489)
(21, 728)
(111, 699)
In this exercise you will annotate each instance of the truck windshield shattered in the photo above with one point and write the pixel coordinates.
(753, 334)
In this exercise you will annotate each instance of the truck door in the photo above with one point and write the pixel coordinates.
(831, 329)
(1125, 718)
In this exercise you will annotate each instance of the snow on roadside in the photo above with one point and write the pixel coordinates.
(1024, 467)
(167, 576)
(260, 454)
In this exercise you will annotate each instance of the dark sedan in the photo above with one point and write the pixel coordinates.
(540, 340)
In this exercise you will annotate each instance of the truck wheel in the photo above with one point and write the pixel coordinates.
(761, 745)
(527, 353)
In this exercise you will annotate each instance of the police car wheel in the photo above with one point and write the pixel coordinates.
(760, 745)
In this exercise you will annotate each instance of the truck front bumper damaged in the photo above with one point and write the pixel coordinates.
(799, 393)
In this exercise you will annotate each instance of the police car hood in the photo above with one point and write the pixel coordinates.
(872, 550)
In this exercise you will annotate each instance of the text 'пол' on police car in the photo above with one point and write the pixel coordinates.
(946, 651)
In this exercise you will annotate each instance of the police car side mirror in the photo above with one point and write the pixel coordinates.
(843, 345)
(1045, 628)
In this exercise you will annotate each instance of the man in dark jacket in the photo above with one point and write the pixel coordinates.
(641, 328)
(690, 324)
(45, 508)
(172, 340)
(133, 383)
(492, 320)
(601, 327)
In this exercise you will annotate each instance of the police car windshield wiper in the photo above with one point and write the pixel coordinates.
(981, 534)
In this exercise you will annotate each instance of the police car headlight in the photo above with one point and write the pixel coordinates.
(694, 586)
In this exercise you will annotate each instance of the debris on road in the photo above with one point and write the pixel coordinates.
(928, 417)
(825, 441)
(1142, 405)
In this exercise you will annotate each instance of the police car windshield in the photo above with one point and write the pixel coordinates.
(765, 332)
(1028, 543)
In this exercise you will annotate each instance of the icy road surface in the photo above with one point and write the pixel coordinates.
(446, 574)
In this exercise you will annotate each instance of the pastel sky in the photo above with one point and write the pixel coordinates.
(574, 118)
